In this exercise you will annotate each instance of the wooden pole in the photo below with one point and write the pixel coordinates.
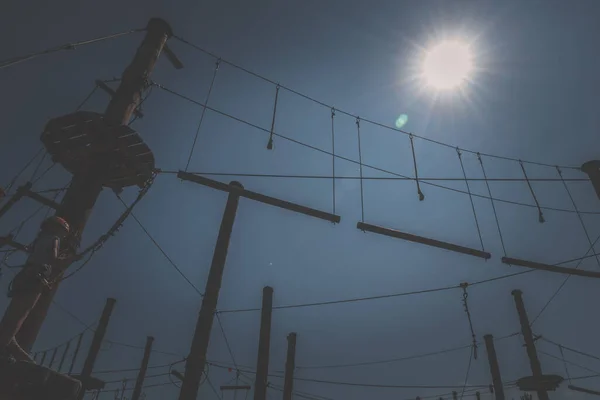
(494, 367)
(196, 361)
(137, 391)
(76, 353)
(88, 365)
(85, 187)
(592, 169)
(534, 362)
(290, 365)
(264, 344)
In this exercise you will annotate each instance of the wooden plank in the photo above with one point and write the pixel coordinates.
(261, 198)
(41, 199)
(583, 390)
(236, 387)
(550, 268)
(423, 240)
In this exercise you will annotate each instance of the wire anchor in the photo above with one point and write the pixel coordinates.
(541, 214)
(412, 147)
(465, 296)
(270, 144)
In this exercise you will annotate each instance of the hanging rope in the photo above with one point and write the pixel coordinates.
(210, 88)
(68, 46)
(270, 144)
(37, 167)
(462, 166)
(89, 96)
(472, 355)
(43, 173)
(360, 164)
(487, 183)
(333, 154)
(587, 235)
(97, 245)
(18, 175)
(464, 286)
(562, 355)
(412, 147)
(541, 214)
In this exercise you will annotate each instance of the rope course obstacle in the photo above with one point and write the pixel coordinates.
(135, 166)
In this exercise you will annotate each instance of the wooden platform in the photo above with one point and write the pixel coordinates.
(84, 140)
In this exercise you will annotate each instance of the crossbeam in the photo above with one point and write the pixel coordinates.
(8, 240)
(21, 191)
(243, 387)
(550, 268)
(423, 240)
(261, 198)
(41, 199)
(583, 390)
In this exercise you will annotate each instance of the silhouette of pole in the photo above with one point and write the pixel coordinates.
(534, 362)
(90, 360)
(494, 367)
(137, 391)
(592, 169)
(290, 365)
(52, 358)
(85, 187)
(264, 344)
(196, 361)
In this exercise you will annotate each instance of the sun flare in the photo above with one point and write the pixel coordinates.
(447, 65)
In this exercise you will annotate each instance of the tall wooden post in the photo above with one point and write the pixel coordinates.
(494, 367)
(264, 345)
(88, 366)
(85, 187)
(137, 391)
(196, 360)
(290, 365)
(592, 169)
(534, 362)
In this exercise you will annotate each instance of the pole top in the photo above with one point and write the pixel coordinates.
(517, 292)
(590, 166)
(236, 184)
(159, 24)
(268, 289)
(489, 335)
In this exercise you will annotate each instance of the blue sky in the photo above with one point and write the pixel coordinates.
(532, 97)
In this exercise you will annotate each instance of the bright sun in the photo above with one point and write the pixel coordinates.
(447, 65)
